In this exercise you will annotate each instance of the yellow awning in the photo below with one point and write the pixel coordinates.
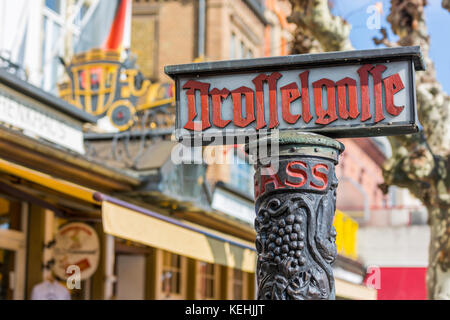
(192, 241)
(48, 181)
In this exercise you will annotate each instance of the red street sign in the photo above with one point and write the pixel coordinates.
(339, 94)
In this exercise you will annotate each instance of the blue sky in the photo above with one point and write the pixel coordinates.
(438, 23)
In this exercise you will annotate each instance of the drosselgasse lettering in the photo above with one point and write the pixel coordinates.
(341, 96)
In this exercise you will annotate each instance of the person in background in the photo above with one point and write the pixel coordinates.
(50, 289)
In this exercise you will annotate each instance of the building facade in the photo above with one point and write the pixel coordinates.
(237, 30)
(165, 230)
(213, 259)
(393, 235)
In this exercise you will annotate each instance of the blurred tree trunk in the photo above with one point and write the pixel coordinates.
(420, 162)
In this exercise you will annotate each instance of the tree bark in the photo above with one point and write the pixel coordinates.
(420, 162)
(446, 4)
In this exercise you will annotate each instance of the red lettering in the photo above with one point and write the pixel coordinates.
(352, 102)
(273, 179)
(392, 85)
(259, 86)
(203, 88)
(237, 107)
(293, 172)
(364, 83)
(321, 176)
(326, 111)
(329, 115)
(289, 93)
(216, 97)
(305, 96)
(377, 87)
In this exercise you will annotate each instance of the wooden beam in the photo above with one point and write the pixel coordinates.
(35, 248)
(192, 279)
(151, 276)
(36, 155)
(98, 278)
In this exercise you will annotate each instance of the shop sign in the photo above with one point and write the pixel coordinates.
(346, 235)
(77, 244)
(233, 205)
(103, 85)
(23, 115)
(343, 94)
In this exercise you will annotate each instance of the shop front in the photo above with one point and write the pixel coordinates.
(49, 181)
(45, 182)
(12, 247)
(161, 232)
(177, 259)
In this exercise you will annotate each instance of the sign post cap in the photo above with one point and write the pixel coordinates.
(295, 143)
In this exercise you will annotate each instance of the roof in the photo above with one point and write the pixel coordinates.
(301, 61)
(65, 164)
(46, 98)
(257, 6)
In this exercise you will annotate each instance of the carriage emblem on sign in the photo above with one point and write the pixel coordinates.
(101, 84)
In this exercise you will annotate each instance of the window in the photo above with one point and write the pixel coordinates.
(241, 173)
(13, 247)
(242, 50)
(241, 46)
(62, 24)
(9, 214)
(171, 274)
(238, 284)
(81, 14)
(130, 271)
(208, 281)
(52, 47)
(6, 270)
(54, 5)
(393, 196)
(232, 45)
(145, 42)
(5, 214)
(273, 43)
(275, 40)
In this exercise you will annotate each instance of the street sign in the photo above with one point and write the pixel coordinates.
(77, 247)
(339, 94)
(310, 99)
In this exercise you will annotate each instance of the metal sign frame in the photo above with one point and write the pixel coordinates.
(412, 55)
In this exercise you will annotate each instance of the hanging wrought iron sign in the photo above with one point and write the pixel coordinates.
(338, 94)
(104, 85)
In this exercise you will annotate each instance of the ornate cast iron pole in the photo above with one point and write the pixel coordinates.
(294, 214)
